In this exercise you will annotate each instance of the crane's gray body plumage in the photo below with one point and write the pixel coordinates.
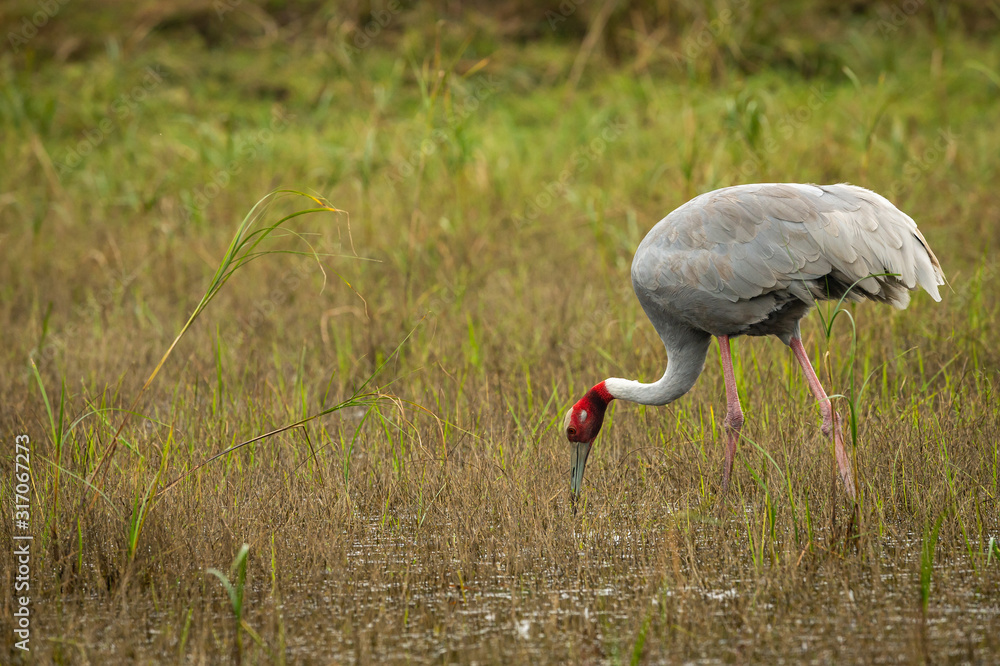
(752, 259)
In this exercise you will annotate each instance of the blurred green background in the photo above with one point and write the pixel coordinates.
(498, 164)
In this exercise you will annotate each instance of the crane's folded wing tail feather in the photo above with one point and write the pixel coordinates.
(895, 253)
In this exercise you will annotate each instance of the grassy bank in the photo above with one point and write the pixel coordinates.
(494, 187)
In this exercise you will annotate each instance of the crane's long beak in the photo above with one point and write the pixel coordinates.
(580, 453)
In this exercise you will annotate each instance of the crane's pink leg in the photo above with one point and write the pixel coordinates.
(831, 428)
(734, 414)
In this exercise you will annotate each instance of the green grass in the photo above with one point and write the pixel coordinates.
(411, 359)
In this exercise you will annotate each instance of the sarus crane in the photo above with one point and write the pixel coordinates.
(752, 260)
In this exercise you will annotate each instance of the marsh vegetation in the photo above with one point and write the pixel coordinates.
(494, 173)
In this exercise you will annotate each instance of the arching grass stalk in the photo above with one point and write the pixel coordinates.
(244, 248)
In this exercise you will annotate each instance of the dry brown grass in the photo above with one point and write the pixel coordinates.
(436, 526)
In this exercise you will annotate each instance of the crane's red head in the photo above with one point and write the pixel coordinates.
(582, 424)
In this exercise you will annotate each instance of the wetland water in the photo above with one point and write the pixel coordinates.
(386, 604)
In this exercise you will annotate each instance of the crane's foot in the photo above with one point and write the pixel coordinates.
(844, 464)
(733, 436)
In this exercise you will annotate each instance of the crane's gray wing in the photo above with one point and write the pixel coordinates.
(734, 256)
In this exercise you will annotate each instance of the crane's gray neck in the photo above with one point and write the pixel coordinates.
(686, 351)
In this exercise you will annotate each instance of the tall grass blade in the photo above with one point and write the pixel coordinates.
(241, 251)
